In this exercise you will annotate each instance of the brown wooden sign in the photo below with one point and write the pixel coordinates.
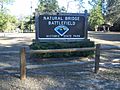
(61, 27)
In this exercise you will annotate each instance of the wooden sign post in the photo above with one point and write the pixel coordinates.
(23, 64)
(97, 57)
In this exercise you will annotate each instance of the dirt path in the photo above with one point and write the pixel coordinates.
(59, 78)
(105, 38)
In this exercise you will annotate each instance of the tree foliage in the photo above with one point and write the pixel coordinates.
(2, 2)
(7, 1)
(29, 24)
(96, 16)
(81, 2)
(113, 14)
(49, 6)
(7, 22)
(80, 5)
(113, 10)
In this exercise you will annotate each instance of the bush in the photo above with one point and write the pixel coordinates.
(62, 45)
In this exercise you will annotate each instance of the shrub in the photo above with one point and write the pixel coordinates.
(62, 45)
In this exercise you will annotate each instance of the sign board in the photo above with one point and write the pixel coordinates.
(61, 27)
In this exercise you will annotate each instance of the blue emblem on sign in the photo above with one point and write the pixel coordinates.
(61, 30)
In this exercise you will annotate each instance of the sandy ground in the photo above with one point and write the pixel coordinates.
(76, 77)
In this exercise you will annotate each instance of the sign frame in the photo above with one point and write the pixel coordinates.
(37, 28)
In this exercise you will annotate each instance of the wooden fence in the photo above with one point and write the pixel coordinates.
(23, 57)
(23, 52)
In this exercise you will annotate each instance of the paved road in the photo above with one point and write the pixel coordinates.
(105, 38)
(14, 41)
(108, 40)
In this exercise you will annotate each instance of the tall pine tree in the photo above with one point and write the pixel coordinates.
(48, 6)
(96, 17)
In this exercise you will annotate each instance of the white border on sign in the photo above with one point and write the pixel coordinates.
(61, 38)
